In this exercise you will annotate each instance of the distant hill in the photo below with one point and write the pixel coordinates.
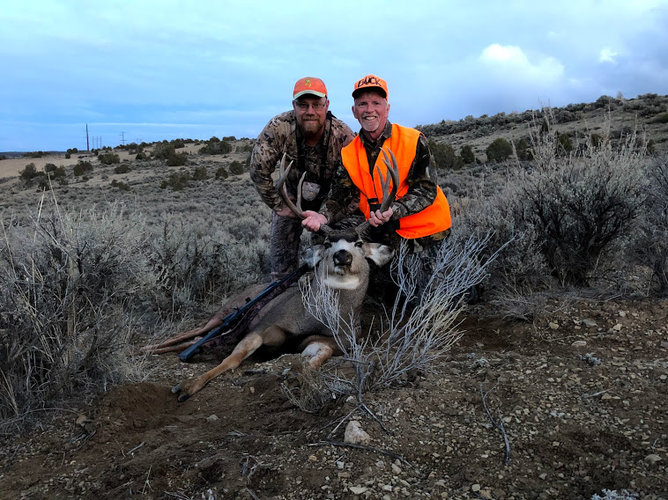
(646, 113)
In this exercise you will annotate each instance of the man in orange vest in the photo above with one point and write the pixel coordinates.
(420, 212)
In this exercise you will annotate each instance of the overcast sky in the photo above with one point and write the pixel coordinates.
(163, 69)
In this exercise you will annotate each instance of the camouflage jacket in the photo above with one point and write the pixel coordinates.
(281, 135)
(421, 183)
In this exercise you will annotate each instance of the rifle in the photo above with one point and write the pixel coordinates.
(241, 316)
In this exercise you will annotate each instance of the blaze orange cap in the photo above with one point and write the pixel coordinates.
(309, 85)
(371, 82)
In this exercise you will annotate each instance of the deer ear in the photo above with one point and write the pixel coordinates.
(380, 254)
(314, 255)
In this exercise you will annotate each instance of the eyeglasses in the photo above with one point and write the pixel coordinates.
(303, 105)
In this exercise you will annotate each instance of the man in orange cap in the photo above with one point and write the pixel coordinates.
(419, 215)
(312, 138)
(420, 212)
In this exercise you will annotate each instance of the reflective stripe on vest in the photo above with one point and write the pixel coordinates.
(403, 143)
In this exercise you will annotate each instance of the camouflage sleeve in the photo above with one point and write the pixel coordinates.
(266, 154)
(421, 187)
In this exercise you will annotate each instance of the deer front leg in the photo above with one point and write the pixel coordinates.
(318, 351)
(248, 345)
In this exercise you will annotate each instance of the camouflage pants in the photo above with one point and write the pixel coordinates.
(284, 245)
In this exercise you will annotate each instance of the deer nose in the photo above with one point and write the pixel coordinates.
(342, 258)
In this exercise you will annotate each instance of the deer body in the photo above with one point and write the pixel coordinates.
(340, 265)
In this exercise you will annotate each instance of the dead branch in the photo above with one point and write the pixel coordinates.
(381, 451)
(498, 423)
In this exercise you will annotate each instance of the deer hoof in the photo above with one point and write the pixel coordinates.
(183, 397)
(176, 389)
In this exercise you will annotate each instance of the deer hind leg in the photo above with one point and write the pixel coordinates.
(248, 345)
(178, 342)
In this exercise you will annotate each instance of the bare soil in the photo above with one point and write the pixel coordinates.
(579, 395)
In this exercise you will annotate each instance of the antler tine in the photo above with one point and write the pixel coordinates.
(392, 173)
(388, 194)
(283, 172)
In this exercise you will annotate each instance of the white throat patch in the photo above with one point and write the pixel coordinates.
(342, 282)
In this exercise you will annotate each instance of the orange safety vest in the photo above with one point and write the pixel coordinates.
(403, 143)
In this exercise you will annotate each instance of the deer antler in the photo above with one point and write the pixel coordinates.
(283, 172)
(388, 194)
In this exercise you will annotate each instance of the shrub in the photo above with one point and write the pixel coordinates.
(523, 150)
(82, 167)
(444, 156)
(122, 169)
(123, 186)
(177, 159)
(55, 172)
(499, 150)
(215, 146)
(200, 173)
(649, 244)
(108, 158)
(467, 155)
(580, 205)
(564, 144)
(662, 118)
(29, 172)
(163, 150)
(65, 282)
(236, 168)
(221, 173)
(176, 181)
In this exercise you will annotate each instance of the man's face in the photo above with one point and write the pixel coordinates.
(311, 112)
(371, 110)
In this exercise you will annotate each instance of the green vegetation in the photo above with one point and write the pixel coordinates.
(499, 150)
(236, 168)
(444, 156)
(82, 167)
(215, 146)
(108, 158)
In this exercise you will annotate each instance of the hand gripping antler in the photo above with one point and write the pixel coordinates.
(283, 172)
(388, 194)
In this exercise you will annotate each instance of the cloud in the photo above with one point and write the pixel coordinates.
(514, 63)
(607, 55)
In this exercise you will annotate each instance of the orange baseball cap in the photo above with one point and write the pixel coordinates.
(309, 85)
(371, 82)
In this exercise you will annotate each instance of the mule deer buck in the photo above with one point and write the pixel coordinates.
(340, 264)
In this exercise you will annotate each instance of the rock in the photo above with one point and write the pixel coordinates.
(579, 343)
(357, 490)
(355, 434)
(652, 459)
(590, 323)
(553, 325)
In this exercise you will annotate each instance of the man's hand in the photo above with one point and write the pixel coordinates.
(379, 218)
(313, 220)
(285, 212)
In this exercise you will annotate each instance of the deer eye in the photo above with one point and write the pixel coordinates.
(327, 244)
(359, 244)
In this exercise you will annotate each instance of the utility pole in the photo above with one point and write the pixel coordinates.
(87, 143)
(123, 138)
